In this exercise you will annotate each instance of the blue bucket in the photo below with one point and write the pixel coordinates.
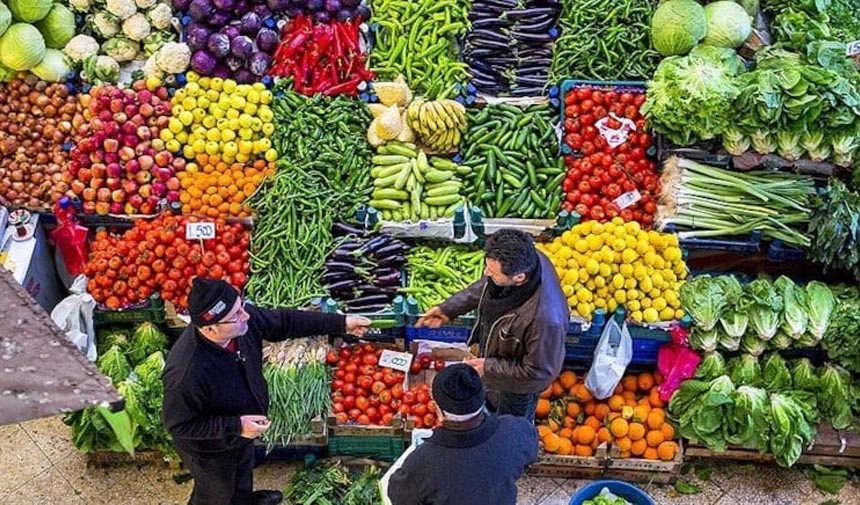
(619, 488)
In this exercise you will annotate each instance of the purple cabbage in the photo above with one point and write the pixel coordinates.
(250, 24)
(203, 63)
(278, 5)
(242, 46)
(314, 5)
(293, 11)
(231, 31)
(180, 5)
(243, 76)
(242, 6)
(233, 63)
(224, 5)
(261, 10)
(200, 10)
(332, 6)
(221, 71)
(197, 36)
(351, 4)
(267, 40)
(321, 17)
(220, 18)
(218, 45)
(259, 63)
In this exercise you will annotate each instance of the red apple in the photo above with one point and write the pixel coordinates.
(163, 158)
(113, 183)
(145, 190)
(117, 196)
(111, 145)
(135, 201)
(102, 208)
(89, 207)
(126, 153)
(116, 208)
(143, 177)
(88, 194)
(103, 195)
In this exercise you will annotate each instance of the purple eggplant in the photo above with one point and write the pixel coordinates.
(391, 261)
(218, 45)
(340, 265)
(341, 230)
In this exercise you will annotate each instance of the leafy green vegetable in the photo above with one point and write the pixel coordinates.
(795, 315)
(751, 418)
(706, 416)
(29, 11)
(836, 396)
(734, 319)
(841, 340)
(829, 480)
(835, 230)
(803, 375)
(745, 370)
(114, 364)
(705, 298)
(712, 366)
(5, 18)
(21, 47)
(54, 67)
(765, 308)
(729, 25)
(821, 303)
(682, 487)
(677, 26)
(702, 340)
(782, 341)
(775, 374)
(752, 344)
(791, 429)
(58, 27)
(145, 340)
(327, 484)
(109, 337)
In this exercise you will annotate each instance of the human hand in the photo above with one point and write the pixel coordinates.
(254, 426)
(433, 318)
(477, 364)
(357, 325)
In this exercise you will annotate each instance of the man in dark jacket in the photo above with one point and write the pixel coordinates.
(473, 458)
(522, 320)
(215, 396)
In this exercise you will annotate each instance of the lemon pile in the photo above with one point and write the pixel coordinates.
(618, 264)
(210, 115)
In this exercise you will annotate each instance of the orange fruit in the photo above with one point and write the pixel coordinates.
(629, 396)
(582, 393)
(656, 418)
(666, 451)
(640, 413)
(627, 412)
(568, 422)
(615, 402)
(546, 393)
(630, 383)
(573, 409)
(557, 390)
(619, 428)
(603, 435)
(654, 438)
(583, 450)
(542, 408)
(566, 433)
(565, 447)
(645, 381)
(589, 408)
(638, 447)
(658, 378)
(619, 388)
(624, 444)
(567, 379)
(600, 411)
(543, 431)
(551, 442)
(651, 453)
(553, 426)
(654, 399)
(668, 431)
(585, 434)
(636, 431)
(592, 422)
(624, 454)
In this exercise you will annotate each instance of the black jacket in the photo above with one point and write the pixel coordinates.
(479, 466)
(207, 387)
(524, 350)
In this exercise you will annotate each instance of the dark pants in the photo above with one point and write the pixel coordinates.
(520, 405)
(223, 478)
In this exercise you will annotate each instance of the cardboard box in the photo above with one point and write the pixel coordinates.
(31, 262)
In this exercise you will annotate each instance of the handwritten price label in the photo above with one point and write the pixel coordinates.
(396, 360)
(200, 231)
(627, 199)
(852, 48)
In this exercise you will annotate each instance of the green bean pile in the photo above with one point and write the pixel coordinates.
(297, 394)
(330, 131)
(417, 38)
(604, 40)
(436, 274)
(512, 153)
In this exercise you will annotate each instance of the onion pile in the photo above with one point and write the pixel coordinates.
(35, 121)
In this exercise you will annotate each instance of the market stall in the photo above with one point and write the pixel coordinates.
(689, 169)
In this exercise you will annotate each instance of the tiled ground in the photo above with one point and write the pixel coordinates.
(39, 465)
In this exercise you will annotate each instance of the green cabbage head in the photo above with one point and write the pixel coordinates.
(5, 18)
(58, 27)
(677, 26)
(728, 24)
(21, 47)
(29, 11)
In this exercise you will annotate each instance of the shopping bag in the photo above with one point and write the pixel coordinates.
(74, 315)
(611, 356)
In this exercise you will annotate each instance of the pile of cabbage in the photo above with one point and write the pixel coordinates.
(760, 316)
(32, 32)
(765, 404)
(118, 32)
(678, 25)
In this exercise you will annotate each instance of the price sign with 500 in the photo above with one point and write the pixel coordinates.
(200, 231)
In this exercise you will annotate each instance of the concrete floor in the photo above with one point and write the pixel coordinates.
(39, 465)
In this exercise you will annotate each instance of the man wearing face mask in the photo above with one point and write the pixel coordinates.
(522, 320)
(215, 396)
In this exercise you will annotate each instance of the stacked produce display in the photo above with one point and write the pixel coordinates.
(322, 154)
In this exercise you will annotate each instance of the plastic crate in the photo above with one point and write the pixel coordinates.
(457, 331)
(396, 317)
(742, 245)
(152, 311)
(619, 488)
(617, 86)
(288, 453)
(779, 251)
(95, 221)
(379, 448)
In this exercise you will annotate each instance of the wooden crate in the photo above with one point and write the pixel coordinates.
(111, 459)
(354, 430)
(570, 467)
(644, 470)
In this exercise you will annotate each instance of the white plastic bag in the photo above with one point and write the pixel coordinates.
(74, 315)
(611, 356)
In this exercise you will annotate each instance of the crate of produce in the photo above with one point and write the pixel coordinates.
(290, 453)
(356, 430)
(112, 459)
(570, 467)
(747, 245)
(635, 87)
(641, 470)
(778, 251)
(456, 331)
(382, 448)
(152, 311)
(384, 325)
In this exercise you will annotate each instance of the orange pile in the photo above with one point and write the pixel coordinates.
(212, 187)
(572, 422)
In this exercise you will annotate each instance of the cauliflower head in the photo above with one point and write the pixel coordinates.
(160, 16)
(81, 47)
(136, 27)
(150, 68)
(144, 4)
(105, 24)
(121, 49)
(121, 8)
(80, 5)
(173, 57)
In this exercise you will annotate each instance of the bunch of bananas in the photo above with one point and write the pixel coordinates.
(440, 124)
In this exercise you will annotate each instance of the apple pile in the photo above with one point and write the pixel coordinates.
(119, 165)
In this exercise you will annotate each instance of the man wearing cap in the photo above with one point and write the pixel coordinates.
(215, 396)
(522, 320)
(474, 457)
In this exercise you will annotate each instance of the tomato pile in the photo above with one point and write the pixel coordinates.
(366, 394)
(155, 256)
(599, 173)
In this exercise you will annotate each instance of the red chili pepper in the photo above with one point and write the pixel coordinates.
(349, 87)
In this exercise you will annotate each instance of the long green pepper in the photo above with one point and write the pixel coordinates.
(435, 274)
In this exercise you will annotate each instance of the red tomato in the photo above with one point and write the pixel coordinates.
(429, 420)
(349, 402)
(336, 385)
(422, 396)
(377, 387)
(419, 409)
(348, 388)
(409, 398)
(415, 367)
(372, 413)
(397, 391)
(363, 420)
(386, 419)
(385, 397)
(342, 418)
(369, 359)
(337, 407)
(362, 403)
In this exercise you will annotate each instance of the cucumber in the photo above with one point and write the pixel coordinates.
(438, 176)
(385, 204)
(444, 200)
(389, 194)
(388, 159)
(444, 190)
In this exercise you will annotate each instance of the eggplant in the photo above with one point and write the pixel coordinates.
(365, 301)
(388, 280)
(341, 229)
(373, 244)
(489, 35)
(379, 271)
(517, 15)
(347, 247)
(489, 23)
(368, 309)
(392, 249)
(346, 285)
(391, 261)
(340, 266)
(528, 37)
(528, 81)
(536, 26)
(334, 276)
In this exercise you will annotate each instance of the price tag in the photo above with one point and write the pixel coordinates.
(200, 231)
(396, 360)
(852, 48)
(616, 133)
(627, 199)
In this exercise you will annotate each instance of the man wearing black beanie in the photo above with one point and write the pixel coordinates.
(215, 396)
(474, 457)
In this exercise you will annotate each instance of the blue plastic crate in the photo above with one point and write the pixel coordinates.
(748, 245)
(779, 251)
(457, 331)
(619, 488)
